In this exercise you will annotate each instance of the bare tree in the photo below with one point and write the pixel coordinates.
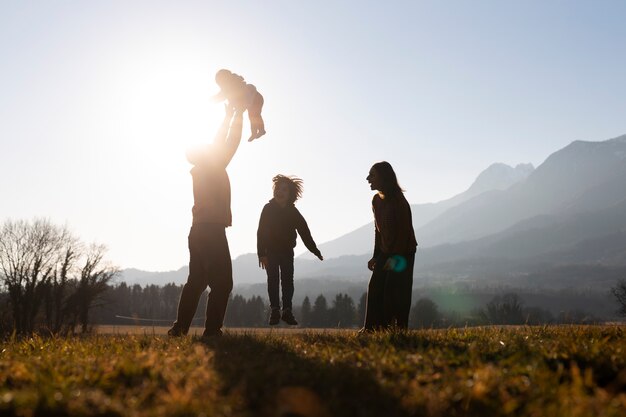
(60, 287)
(29, 255)
(38, 268)
(95, 276)
(619, 292)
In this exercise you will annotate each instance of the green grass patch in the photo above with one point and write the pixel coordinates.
(522, 371)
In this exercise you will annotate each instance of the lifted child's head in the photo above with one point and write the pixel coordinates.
(287, 189)
(225, 78)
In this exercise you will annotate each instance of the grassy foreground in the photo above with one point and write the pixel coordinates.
(524, 371)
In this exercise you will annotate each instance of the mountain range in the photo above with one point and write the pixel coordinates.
(496, 177)
(513, 223)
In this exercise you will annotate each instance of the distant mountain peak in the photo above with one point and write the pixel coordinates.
(500, 176)
(593, 154)
(585, 144)
(619, 139)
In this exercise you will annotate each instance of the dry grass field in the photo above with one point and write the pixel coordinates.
(563, 371)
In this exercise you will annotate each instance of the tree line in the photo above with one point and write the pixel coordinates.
(156, 305)
(50, 281)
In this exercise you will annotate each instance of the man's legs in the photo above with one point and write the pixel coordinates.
(196, 282)
(220, 279)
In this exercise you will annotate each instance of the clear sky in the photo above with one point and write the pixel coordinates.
(100, 99)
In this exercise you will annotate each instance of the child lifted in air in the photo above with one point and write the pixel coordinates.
(241, 95)
(276, 238)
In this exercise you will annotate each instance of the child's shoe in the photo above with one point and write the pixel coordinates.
(288, 317)
(274, 316)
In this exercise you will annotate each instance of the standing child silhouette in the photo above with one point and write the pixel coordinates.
(276, 238)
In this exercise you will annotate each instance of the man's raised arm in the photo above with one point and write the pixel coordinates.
(234, 137)
(222, 133)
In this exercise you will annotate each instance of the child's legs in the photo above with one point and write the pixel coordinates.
(254, 113)
(273, 278)
(256, 105)
(286, 280)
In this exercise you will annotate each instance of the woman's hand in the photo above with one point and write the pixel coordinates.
(263, 262)
(371, 264)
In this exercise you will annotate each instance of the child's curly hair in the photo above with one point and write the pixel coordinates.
(293, 183)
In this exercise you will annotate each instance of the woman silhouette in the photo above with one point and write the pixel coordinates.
(389, 290)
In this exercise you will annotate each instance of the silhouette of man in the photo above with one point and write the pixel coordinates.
(209, 256)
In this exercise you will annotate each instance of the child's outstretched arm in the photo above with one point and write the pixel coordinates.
(305, 234)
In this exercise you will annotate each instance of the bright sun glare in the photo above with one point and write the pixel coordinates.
(167, 108)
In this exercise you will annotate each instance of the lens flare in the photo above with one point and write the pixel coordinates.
(396, 263)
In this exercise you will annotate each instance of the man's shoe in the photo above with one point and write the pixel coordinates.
(288, 317)
(212, 335)
(175, 331)
(364, 331)
(274, 316)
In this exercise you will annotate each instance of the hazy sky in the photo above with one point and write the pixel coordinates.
(100, 99)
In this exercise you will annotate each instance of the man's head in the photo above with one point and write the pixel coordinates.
(201, 155)
(287, 189)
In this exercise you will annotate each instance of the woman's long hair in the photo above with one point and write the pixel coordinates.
(387, 175)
